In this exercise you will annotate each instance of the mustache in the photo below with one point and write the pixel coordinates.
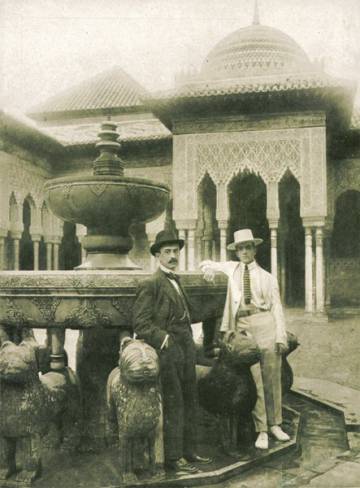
(173, 260)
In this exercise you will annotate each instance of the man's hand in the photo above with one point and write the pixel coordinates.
(209, 275)
(281, 348)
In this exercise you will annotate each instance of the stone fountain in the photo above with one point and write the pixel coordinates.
(97, 297)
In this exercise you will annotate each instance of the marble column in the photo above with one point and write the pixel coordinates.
(36, 240)
(151, 240)
(191, 249)
(320, 296)
(2, 253)
(223, 224)
(273, 224)
(182, 257)
(49, 256)
(16, 241)
(282, 266)
(56, 255)
(308, 270)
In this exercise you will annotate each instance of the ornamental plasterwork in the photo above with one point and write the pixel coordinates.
(266, 153)
(347, 177)
(23, 180)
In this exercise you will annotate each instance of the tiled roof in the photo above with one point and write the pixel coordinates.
(110, 89)
(259, 84)
(83, 134)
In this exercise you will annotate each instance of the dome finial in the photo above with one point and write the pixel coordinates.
(256, 19)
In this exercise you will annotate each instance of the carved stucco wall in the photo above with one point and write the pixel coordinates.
(268, 153)
(22, 179)
(344, 272)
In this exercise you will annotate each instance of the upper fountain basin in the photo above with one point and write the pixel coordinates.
(105, 204)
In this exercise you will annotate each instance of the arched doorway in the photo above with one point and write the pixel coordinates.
(292, 243)
(247, 201)
(26, 243)
(345, 250)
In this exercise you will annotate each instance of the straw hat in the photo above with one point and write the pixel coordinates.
(241, 236)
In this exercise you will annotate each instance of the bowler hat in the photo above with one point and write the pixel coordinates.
(243, 235)
(165, 237)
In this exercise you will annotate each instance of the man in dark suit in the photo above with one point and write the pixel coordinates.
(162, 318)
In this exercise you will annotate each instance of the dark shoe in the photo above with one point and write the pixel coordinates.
(194, 458)
(181, 467)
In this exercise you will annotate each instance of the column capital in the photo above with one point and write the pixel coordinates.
(222, 224)
(35, 237)
(16, 234)
(3, 232)
(186, 223)
(273, 223)
(313, 221)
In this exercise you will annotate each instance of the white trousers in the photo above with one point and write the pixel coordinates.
(267, 373)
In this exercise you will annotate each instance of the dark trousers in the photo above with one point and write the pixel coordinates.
(178, 381)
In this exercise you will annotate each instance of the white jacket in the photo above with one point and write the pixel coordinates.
(264, 292)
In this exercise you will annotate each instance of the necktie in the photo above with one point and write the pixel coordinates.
(175, 277)
(247, 289)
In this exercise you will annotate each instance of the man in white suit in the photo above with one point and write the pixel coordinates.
(253, 306)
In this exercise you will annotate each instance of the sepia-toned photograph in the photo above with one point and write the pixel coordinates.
(179, 243)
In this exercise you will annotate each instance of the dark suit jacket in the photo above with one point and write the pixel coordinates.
(159, 310)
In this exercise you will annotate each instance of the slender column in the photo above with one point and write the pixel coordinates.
(198, 244)
(308, 270)
(222, 224)
(36, 240)
(182, 258)
(2, 253)
(282, 269)
(151, 239)
(36, 255)
(274, 259)
(56, 255)
(48, 256)
(327, 252)
(320, 299)
(16, 254)
(273, 224)
(191, 249)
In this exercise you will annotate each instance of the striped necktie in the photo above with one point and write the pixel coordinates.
(247, 288)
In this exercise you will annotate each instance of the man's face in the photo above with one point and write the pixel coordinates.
(169, 256)
(246, 252)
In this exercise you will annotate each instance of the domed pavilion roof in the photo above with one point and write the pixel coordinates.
(256, 50)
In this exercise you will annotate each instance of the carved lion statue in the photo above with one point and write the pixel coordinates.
(30, 405)
(134, 403)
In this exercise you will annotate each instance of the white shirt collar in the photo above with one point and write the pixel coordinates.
(251, 265)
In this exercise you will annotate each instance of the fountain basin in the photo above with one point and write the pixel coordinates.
(105, 204)
(91, 299)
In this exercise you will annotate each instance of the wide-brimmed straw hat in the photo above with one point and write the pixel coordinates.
(241, 236)
(165, 237)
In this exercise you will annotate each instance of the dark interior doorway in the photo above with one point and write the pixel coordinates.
(292, 242)
(247, 199)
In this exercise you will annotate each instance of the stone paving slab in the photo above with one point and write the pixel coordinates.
(343, 475)
(343, 398)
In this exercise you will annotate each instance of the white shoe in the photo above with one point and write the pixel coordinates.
(262, 441)
(279, 434)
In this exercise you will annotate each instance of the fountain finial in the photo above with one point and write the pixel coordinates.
(108, 163)
(256, 17)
